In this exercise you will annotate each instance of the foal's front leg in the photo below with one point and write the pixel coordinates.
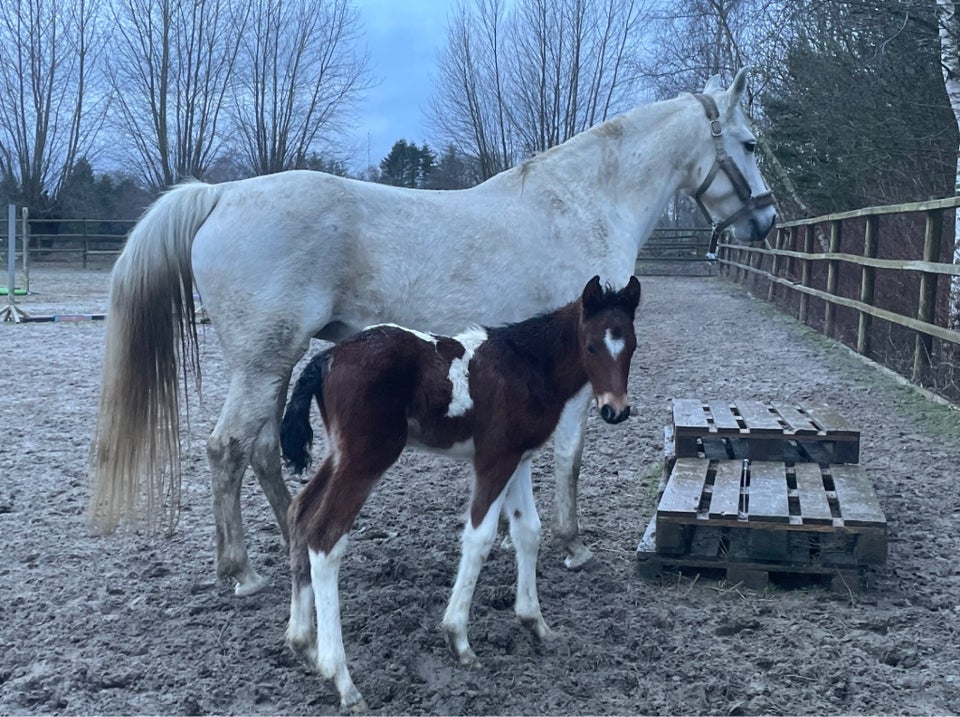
(521, 510)
(475, 547)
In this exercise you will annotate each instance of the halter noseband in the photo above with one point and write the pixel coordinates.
(724, 162)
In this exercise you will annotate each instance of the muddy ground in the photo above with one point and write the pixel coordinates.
(133, 624)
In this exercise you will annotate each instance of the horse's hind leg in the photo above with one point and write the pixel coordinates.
(250, 404)
(266, 466)
(568, 450)
(521, 510)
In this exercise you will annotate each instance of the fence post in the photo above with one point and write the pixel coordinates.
(808, 234)
(779, 240)
(829, 310)
(83, 223)
(867, 276)
(923, 346)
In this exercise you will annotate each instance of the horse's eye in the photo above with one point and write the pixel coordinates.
(591, 348)
(616, 333)
(750, 145)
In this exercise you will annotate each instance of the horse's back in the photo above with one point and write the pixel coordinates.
(301, 251)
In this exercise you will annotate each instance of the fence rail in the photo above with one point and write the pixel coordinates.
(895, 278)
(67, 239)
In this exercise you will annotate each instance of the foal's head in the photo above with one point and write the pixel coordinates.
(607, 342)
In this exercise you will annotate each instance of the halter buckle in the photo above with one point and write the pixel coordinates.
(715, 129)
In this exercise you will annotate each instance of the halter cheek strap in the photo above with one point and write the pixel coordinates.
(725, 163)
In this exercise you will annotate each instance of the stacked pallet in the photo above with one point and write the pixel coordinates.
(755, 488)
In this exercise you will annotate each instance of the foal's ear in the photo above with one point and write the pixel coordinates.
(592, 295)
(631, 294)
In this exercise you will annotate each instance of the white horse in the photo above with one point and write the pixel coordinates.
(288, 257)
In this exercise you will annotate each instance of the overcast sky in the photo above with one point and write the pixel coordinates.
(403, 37)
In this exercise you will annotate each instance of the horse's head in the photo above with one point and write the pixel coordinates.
(730, 189)
(607, 342)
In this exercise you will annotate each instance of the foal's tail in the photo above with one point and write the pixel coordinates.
(296, 433)
(151, 339)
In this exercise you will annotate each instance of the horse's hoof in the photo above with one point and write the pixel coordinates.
(578, 558)
(305, 651)
(539, 628)
(468, 658)
(249, 584)
(354, 704)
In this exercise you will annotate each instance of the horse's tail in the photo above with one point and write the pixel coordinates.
(151, 337)
(296, 434)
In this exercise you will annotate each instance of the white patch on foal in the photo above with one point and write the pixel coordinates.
(459, 374)
(614, 346)
(429, 338)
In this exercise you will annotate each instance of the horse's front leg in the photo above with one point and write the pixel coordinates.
(568, 449)
(521, 510)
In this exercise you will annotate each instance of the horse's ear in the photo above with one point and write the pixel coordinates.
(738, 87)
(592, 295)
(713, 85)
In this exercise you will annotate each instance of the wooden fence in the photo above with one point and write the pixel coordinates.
(72, 239)
(877, 279)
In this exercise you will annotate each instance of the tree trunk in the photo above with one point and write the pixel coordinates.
(949, 28)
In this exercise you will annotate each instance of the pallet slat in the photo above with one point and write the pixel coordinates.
(681, 496)
(858, 502)
(814, 506)
(768, 492)
(725, 500)
(758, 417)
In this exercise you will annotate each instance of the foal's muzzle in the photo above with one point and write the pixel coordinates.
(612, 415)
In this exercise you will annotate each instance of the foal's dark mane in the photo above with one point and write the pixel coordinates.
(537, 338)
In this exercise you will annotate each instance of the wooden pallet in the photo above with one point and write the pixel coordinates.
(762, 516)
(763, 431)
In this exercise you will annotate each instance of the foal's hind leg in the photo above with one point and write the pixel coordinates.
(568, 450)
(521, 510)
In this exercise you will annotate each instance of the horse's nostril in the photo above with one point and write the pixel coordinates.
(606, 413)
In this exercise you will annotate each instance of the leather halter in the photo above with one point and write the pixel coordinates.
(725, 163)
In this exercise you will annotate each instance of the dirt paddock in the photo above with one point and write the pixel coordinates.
(134, 624)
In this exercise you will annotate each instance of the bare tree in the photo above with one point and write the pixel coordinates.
(948, 17)
(513, 83)
(171, 71)
(47, 119)
(301, 74)
(470, 108)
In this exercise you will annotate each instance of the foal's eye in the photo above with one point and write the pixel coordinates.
(750, 145)
(616, 333)
(591, 348)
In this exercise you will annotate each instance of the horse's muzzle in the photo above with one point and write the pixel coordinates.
(611, 415)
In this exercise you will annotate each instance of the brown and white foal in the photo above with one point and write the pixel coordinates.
(492, 396)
